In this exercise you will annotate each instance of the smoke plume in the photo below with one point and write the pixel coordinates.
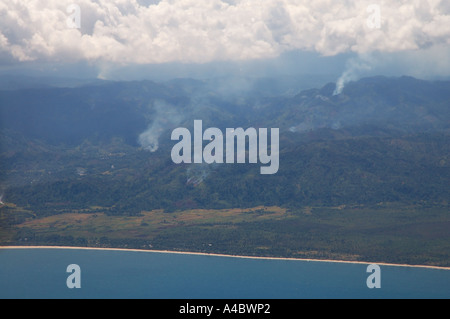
(165, 116)
(355, 67)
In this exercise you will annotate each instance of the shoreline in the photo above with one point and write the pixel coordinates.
(225, 255)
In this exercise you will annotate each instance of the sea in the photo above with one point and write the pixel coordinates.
(32, 273)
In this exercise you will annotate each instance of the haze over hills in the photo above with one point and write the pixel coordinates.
(115, 114)
(105, 148)
(122, 109)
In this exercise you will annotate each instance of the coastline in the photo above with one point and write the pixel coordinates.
(225, 255)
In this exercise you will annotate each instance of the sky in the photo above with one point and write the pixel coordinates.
(135, 39)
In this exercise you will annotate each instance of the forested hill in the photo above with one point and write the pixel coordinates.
(381, 140)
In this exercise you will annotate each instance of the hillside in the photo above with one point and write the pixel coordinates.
(381, 147)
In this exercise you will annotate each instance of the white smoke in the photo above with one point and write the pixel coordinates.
(1, 200)
(149, 139)
(355, 67)
(165, 116)
(197, 173)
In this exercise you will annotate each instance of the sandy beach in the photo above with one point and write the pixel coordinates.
(224, 255)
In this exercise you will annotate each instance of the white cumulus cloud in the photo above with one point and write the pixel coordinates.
(200, 31)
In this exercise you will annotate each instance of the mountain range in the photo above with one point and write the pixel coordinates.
(382, 139)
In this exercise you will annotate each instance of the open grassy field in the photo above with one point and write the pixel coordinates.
(148, 225)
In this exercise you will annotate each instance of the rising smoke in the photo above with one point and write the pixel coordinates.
(197, 173)
(165, 116)
(354, 70)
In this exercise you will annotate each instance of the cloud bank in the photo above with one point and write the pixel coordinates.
(201, 31)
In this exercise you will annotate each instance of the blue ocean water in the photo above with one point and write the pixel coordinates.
(41, 273)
